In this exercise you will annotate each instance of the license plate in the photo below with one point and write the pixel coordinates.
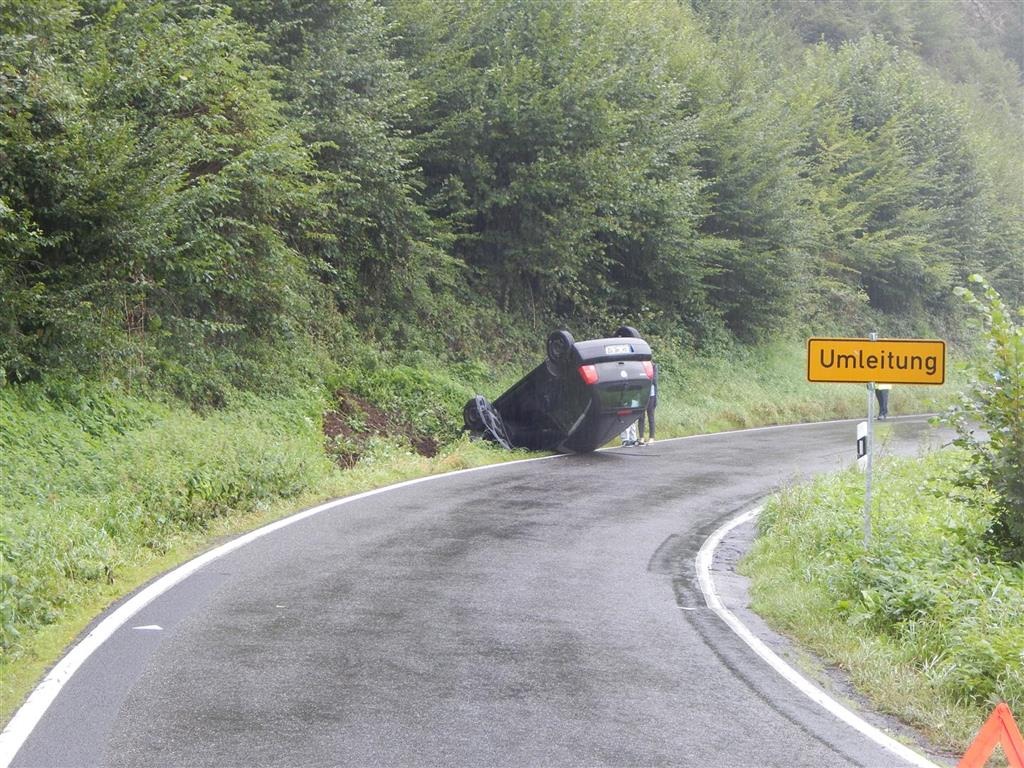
(618, 349)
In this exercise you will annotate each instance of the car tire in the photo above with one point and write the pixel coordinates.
(627, 331)
(471, 416)
(559, 346)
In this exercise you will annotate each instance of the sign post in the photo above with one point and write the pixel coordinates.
(874, 361)
(871, 453)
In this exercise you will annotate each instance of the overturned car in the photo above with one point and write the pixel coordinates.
(579, 398)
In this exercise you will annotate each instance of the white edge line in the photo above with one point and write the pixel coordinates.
(805, 686)
(31, 712)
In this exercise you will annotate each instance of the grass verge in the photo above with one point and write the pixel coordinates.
(927, 621)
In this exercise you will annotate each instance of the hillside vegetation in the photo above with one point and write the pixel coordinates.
(205, 198)
(928, 621)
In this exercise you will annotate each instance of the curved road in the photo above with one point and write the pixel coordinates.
(540, 613)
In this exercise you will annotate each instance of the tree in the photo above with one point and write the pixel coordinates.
(898, 183)
(757, 218)
(155, 167)
(556, 139)
(370, 238)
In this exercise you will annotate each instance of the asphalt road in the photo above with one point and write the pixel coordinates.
(542, 613)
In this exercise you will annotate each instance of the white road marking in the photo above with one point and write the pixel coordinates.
(150, 628)
(35, 706)
(802, 684)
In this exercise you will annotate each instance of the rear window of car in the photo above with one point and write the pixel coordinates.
(622, 395)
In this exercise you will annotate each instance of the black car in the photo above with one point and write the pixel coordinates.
(581, 396)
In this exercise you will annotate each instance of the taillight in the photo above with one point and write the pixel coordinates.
(589, 374)
(649, 369)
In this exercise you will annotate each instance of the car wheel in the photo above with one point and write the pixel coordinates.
(471, 416)
(627, 331)
(559, 344)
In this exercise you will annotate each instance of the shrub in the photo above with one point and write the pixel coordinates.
(430, 401)
(994, 401)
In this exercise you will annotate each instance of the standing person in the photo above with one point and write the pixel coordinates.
(630, 435)
(882, 395)
(652, 403)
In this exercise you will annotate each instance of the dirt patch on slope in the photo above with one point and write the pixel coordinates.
(354, 421)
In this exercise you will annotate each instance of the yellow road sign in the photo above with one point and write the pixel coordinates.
(885, 361)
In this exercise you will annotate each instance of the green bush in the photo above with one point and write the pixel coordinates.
(430, 401)
(994, 401)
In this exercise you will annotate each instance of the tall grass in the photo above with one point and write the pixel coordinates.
(96, 481)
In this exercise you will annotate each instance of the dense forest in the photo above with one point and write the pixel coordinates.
(201, 197)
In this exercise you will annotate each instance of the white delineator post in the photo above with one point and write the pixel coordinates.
(862, 445)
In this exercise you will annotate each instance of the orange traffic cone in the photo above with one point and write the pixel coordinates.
(1000, 728)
